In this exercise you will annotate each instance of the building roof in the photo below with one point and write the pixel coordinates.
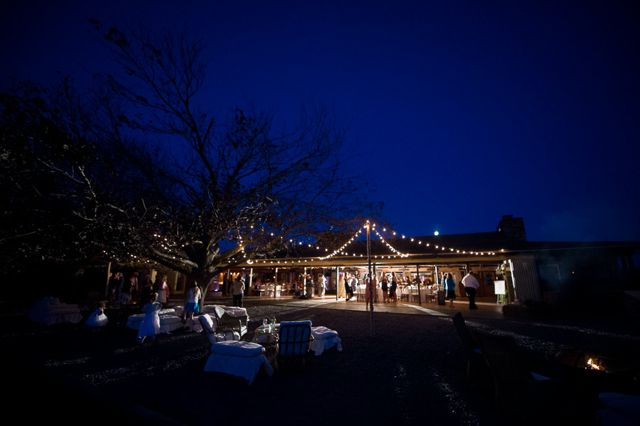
(507, 240)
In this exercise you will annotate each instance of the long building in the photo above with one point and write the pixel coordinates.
(510, 268)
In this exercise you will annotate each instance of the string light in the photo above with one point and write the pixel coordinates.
(389, 246)
(437, 247)
(344, 246)
(166, 245)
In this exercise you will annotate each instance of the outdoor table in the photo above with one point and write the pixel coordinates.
(238, 358)
(359, 291)
(267, 330)
(168, 322)
(324, 338)
(269, 291)
(50, 310)
(220, 310)
(267, 336)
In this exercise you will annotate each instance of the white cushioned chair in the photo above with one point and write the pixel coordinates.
(229, 318)
(209, 329)
(238, 358)
(324, 338)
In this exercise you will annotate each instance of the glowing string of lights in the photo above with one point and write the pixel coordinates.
(341, 249)
(389, 246)
(443, 248)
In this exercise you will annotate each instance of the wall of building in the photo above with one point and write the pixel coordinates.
(525, 278)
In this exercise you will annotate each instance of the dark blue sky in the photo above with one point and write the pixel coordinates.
(456, 112)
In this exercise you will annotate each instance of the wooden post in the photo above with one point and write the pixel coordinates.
(370, 277)
(418, 280)
(275, 283)
(375, 274)
(106, 288)
(304, 282)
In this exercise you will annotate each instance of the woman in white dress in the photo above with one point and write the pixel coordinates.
(151, 322)
(163, 292)
(97, 318)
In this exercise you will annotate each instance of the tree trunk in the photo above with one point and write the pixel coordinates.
(204, 281)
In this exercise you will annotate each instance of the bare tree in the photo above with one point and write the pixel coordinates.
(222, 190)
(139, 169)
(57, 179)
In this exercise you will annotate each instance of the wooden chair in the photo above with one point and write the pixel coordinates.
(209, 326)
(231, 356)
(294, 340)
(477, 369)
(527, 397)
(227, 322)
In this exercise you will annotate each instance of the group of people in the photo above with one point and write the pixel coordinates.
(130, 290)
(470, 284)
(389, 287)
(150, 326)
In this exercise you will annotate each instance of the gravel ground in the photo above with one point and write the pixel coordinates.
(411, 370)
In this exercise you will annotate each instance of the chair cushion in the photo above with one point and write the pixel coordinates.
(295, 323)
(237, 348)
(322, 332)
(324, 338)
(294, 338)
(236, 311)
(231, 335)
(207, 323)
(216, 310)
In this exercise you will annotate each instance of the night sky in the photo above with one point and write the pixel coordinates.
(455, 112)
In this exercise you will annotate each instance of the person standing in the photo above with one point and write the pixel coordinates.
(126, 289)
(147, 290)
(393, 295)
(347, 286)
(163, 291)
(471, 286)
(192, 303)
(237, 291)
(450, 288)
(385, 289)
(150, 326)
(97, 317)
(324, 282)
(114, 286)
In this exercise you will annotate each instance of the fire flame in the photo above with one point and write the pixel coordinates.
(594, 364)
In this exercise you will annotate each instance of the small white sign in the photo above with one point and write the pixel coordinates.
(499, 287)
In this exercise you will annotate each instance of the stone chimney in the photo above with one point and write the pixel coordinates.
(512, 228)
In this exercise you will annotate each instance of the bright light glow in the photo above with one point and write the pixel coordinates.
(594, 364)
(436, 232)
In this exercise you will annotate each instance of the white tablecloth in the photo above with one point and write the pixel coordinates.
(168, 323)
(239, 365)
(49, 311)
(324, 338)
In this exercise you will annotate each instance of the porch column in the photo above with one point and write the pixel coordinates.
(106, 287)
(304, 282)
(275, 282)
(418, 280)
